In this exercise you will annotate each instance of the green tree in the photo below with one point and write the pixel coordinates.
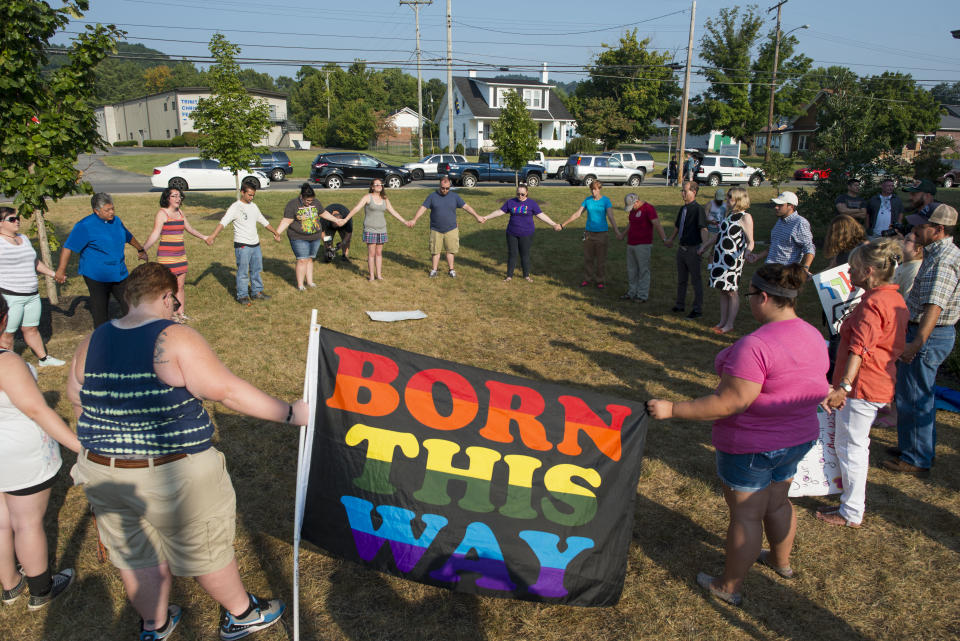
(737, 101)
(946, 93)
(777, 169)
(316, 130)
(637, 84)
(231, 123)
(45, 119)
(601, 119)
(929, 162)
(515, 134)
(353, 126)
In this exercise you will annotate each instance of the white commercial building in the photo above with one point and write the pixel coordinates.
(161, 116)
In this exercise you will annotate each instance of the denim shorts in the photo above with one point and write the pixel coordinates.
(305, 248)
(754, 472)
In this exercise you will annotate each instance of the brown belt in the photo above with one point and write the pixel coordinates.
(93, 457)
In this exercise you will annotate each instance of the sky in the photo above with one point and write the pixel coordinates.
(493, 36)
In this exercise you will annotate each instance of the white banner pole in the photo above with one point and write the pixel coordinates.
(303, 461)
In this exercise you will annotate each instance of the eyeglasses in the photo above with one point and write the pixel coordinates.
(12, 219)
(377, 185)
(749, 294)
(176, 302)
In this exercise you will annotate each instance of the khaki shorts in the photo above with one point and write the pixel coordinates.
(183, 512)
(444, 242)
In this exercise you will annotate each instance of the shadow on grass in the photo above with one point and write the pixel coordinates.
(365, 607)
(211, 201)
(224, 275)
(261, 459)
(683, 548)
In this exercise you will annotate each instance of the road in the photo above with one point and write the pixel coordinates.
(117, 181)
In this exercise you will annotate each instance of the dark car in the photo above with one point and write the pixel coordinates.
(275, 164)
(335, 169)
(952, 177)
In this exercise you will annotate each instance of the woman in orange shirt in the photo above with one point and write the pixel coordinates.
(871, 341)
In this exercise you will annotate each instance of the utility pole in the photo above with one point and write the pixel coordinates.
(684, 108)
(416, 10)
(449, 78)
(773, 80)
(327, 73)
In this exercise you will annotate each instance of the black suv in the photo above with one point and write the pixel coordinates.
(336, 168)
(275, 164)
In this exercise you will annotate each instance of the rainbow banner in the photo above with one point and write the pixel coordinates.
(471, 480)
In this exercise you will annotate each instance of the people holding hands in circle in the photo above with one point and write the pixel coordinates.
(19, 286)
(765, 421)
(99, 240)
(168, 228)
(520, 229)
(301, 221)
(595, 239)
(375, 204)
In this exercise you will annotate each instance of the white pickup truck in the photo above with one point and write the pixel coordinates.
(550, 165)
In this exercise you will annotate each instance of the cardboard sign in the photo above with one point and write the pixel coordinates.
(837, 294)
(818, 474)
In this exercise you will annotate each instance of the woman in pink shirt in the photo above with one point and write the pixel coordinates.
(765, 421)
(871, 341)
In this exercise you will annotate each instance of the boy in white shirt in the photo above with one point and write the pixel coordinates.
(246, 244)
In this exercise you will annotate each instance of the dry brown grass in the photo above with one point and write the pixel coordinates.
(894, 579)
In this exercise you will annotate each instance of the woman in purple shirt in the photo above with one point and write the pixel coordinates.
(520, 229)
(765, 421)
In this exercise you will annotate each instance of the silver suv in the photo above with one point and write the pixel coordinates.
(583, 170)
(641, 160)
(730, 170)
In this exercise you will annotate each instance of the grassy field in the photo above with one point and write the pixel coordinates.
(894, 579)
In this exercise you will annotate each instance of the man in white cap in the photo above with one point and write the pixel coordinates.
(934, 304)
(791, 240)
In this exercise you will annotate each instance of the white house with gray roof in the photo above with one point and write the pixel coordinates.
(477, 103)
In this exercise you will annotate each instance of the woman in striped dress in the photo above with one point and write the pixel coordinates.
(168, 228)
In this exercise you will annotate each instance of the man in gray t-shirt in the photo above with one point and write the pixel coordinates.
(444, 235)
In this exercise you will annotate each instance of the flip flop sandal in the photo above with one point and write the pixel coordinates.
(705, 581)
(783, 573)
(835, 519)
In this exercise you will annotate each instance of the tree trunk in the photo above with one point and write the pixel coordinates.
(40, 222)
(236, 178)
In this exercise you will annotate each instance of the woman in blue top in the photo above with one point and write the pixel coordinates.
(99, 239)
(520, 229)
(599, 211)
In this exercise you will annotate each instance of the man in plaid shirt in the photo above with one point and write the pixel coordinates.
(934, 304)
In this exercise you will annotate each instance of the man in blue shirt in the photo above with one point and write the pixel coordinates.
(444, 234)
(99, 239)
(791, 240)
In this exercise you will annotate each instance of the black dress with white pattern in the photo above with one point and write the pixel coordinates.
(727, 263)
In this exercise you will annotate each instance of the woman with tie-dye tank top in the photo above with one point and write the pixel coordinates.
(168, 228)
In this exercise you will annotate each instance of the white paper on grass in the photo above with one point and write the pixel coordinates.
(818, 473)
(389, 317)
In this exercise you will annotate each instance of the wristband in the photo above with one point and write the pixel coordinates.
(289, 413)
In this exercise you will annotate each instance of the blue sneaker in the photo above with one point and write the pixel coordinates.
(173, 618)
(263, 615)
(11, 595)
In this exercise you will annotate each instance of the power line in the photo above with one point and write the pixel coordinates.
(570, 33)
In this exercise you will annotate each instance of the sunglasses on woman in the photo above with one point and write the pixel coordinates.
(12, 219)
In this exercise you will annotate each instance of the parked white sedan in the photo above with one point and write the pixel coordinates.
(199, 173)
(426, 167)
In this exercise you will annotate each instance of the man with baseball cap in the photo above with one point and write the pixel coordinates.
(921, 198)
(791, 240)
(934, 304)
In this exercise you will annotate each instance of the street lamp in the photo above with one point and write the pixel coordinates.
(773, 82)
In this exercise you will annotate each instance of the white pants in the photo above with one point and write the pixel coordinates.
(853, 451)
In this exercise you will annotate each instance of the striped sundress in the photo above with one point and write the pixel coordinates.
(171, 251)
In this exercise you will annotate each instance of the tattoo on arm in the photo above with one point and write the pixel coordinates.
(159, 351)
